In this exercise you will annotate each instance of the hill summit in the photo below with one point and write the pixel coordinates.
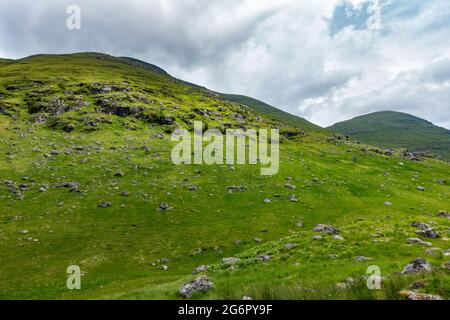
(397, 130)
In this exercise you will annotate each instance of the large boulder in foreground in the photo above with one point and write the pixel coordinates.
(416, 266)
(201, 284)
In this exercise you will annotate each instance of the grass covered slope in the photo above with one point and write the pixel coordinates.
(85, 166)
(272, 112)
(397, 130)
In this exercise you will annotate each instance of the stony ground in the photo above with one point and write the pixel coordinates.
(87, 180)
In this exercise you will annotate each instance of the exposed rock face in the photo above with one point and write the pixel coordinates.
(39, 118)
(418, 265)
(121, 111)
(201, 284)
(326, 228)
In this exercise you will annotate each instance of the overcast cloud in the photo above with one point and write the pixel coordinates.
(316, 59)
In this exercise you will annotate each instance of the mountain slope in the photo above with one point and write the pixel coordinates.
(272, 112)
(258, 106)
(86, 179)
(5, 61)
(397, 130)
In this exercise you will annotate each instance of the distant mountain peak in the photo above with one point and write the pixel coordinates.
(393, 129)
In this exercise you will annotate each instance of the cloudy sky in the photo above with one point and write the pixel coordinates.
(318, 59)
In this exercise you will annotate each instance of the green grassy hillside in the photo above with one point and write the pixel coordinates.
(398, 130)
(272, 112)
(5, 61)
(85, 168)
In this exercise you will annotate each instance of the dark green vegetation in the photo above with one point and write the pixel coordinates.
(79, 131)
(398, 130)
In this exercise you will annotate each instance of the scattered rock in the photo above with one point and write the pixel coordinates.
(247, 298)
(419, 284)
(292, 198)
(68, 128)
(119, 174)
(267, 200)
(326, 228)
(362, 258)
(444, 214)
(338, 238)
(105, 204)
(230, 261)
(421, 188)
(290, 186)
(39, 118)
(428, 233)
(418, 265)
(237, 188)
(317, 238)
(432, 251)
(164, 206)
(24, 231)
(412, 295)
(258, 240)
(341, 286)
(263, 258)
(446, 265)
(290, 246)
(388, 204)
(421, 225)
(68, 185)
(201, 284)
(418, 241)
(125, 194)
(200, 269)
